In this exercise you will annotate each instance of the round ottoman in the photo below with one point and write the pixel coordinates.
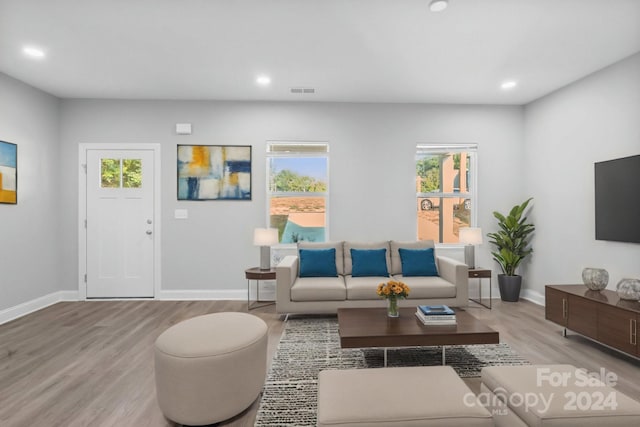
(210, 368)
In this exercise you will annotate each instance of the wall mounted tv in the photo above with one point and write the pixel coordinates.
(617, 192)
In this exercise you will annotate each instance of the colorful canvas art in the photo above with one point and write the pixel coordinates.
(214, 172)
(8, 173)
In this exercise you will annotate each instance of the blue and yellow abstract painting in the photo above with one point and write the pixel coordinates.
(214, 172)
(8, 173)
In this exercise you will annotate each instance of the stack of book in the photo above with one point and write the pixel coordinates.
(436, 315)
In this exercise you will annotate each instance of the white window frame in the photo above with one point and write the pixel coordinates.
(283, 152)
(426, 149)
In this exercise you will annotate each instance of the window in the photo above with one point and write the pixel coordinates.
(298, 190)
(114, 172)
(445, 190)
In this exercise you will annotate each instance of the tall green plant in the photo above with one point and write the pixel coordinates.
(512, 240)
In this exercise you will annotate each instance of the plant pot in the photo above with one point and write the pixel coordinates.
(509, 287)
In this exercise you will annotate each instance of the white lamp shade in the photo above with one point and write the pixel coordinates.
(265, 236)
(471, 235)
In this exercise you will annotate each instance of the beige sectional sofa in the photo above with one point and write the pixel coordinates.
(295, 294)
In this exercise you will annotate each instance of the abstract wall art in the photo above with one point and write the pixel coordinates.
(214, 172)
(8, 173)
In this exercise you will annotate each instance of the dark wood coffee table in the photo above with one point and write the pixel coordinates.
(371, 327)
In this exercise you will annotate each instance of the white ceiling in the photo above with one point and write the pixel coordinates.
(348, 50)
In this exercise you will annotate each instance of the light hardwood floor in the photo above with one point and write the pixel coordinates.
(91, 363)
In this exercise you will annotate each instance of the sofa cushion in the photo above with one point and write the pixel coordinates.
(369, 262)
(318, 289)
(418, 262)
(348, 263)
(318, 262)
(427, 286)
(363, 288)
(408, 396)
(396, 262)
(326, 245)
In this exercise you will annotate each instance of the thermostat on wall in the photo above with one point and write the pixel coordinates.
(183, 128)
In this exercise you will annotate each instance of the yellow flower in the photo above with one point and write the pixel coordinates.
(393, 289)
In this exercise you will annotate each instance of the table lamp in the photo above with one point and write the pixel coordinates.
(470, 236)
(265, 237)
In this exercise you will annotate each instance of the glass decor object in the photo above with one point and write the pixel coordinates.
(595, 279)
(629, 289)
(392, 307)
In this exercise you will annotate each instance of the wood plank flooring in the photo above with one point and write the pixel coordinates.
(91, 363)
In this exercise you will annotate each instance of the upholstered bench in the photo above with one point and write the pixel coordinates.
(408, 396)
(210, 368)
(555, 395)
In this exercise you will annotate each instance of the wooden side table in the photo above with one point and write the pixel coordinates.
(255, 273)
(481, 273)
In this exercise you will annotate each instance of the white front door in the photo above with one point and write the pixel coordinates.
(120, 223)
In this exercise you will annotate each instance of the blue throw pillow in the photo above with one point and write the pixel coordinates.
(418, 262)
(318, 262)
(369, 262)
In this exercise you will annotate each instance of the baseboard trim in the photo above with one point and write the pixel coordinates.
(533, 296)
(25, 308)
(222, 294)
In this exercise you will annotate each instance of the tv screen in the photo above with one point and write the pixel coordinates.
(617, 199)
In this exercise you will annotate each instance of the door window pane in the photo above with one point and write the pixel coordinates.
(132, 173)
(110, 173)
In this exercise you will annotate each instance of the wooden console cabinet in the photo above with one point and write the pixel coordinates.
(601, 316)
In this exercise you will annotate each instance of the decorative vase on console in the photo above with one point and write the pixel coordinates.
(629, 289)
(595, 279)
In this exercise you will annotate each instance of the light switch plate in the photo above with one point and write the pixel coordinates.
(181, 214)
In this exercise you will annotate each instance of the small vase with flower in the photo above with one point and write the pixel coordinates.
(392, 291)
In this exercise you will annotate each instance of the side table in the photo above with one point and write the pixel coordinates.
(255, 273)
(481, 273)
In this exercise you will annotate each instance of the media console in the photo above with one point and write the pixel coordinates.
(601, 316)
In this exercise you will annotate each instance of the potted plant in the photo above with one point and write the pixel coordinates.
(512, 246)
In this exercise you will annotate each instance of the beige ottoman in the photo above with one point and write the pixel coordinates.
(210, 368)
(411, 396)
(555, 395)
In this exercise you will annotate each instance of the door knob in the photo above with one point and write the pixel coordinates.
(149, 232)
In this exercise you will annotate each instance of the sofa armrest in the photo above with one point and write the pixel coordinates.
(457, 273)
(286, 275)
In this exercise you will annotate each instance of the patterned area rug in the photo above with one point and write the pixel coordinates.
(310, 345)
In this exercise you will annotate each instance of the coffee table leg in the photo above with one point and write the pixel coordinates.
(443, 356)
(385, 357)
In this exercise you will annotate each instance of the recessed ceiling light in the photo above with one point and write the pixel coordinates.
(438, 5)
(33, 52)
(509, 84)
(263, 80)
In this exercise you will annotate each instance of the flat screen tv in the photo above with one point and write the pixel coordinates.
(617, 192)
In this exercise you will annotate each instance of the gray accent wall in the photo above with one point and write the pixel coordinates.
(545, 150)
(372, 176)
(30, 238)
(594, 119)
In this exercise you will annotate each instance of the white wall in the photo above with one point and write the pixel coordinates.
(29, 235)
(371, 165)
(595, 119)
